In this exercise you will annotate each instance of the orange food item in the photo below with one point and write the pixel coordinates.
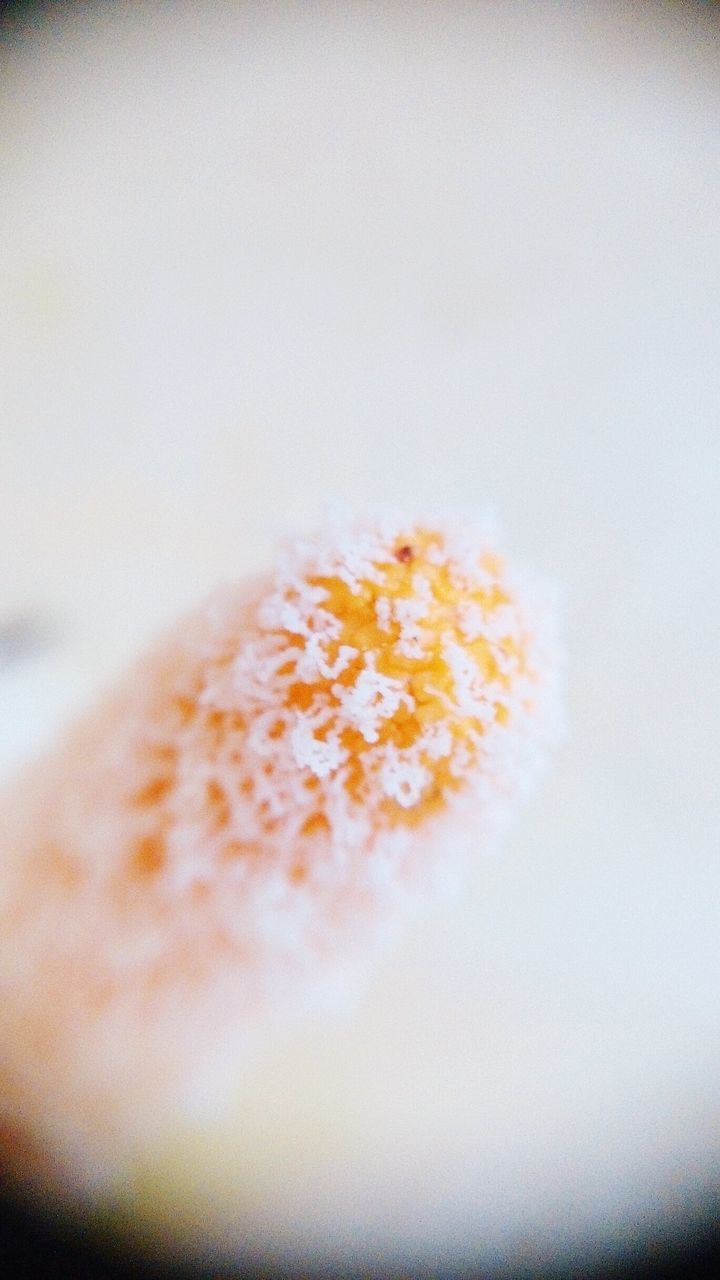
(237, 822)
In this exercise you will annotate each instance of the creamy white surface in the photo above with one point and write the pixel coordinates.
(254, 261)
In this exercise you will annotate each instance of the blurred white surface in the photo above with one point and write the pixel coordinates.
(259, 258)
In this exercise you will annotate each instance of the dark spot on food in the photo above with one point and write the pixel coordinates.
(404, 554)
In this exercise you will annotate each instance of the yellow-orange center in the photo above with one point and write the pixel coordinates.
(427, 677)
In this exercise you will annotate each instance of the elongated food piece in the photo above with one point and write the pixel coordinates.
(241, 819)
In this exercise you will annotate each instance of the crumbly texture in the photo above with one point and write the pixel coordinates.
(287, 769)
(385, 671)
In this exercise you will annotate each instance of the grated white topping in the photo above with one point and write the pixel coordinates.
(279, 767)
